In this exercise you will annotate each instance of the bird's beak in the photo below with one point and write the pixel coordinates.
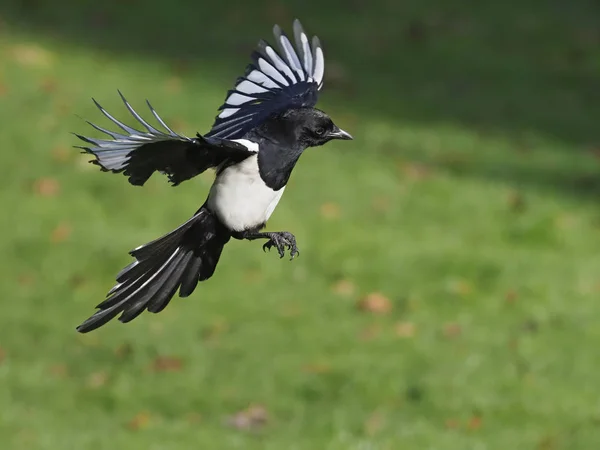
(338, 133)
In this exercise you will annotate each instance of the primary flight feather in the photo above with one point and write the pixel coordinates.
(265, 123)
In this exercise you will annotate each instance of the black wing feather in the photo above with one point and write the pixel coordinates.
(279, 78)
(138, 154)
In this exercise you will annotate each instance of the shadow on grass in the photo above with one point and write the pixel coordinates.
(513, 68)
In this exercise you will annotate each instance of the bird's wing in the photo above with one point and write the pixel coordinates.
(138, 154)
(276, 81)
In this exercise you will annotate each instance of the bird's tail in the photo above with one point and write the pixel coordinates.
(178, 260)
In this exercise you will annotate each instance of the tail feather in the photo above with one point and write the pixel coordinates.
(190, 278)
(175, 261)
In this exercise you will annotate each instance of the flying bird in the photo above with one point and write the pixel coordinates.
(267, 120)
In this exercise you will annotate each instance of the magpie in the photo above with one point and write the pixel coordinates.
(266, 122)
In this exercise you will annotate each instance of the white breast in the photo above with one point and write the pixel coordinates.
(239, 196)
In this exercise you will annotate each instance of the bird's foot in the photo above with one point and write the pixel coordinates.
(282, 240)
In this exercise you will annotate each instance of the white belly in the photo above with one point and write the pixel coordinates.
(240, 198)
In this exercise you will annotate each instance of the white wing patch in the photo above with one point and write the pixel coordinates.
(276, 70)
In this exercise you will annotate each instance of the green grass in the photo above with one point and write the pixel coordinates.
(468, 199)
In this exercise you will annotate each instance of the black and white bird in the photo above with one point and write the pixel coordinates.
(267, 121)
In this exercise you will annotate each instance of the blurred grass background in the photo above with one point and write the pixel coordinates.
(447, 292)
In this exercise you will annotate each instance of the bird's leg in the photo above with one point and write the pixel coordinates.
(278, 239)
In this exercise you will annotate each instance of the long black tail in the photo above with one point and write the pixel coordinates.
(178, 260)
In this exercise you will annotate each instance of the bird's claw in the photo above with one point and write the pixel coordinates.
(282, 241)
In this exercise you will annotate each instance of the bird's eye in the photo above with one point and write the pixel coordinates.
(319, 131)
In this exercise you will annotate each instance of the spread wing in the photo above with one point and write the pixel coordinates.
(138, 154)
(276, 81)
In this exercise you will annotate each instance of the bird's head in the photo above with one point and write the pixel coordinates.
(313, 127)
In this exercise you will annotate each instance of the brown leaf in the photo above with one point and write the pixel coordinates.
(415, 171)
(330, 210)
(253, 417)
(511, 297)
(140, 421)
(26, 279)
(61, 153)
(59, 370)
(369, 333)
(516, 201)
(290, 310)
(194, 418)
(48, 85)
(173, 85)
(77, 280)
(215, 329)
(452, 330)
(381, 204)
(253, 275)
(452, 424)
(405, 329)
(124, 350)
(97, 380)
(374, 423)
(46, 187)
(167, 364)
(460, 287)
(3, 89)
(61, 233)
(474, 423)
(375, 303)
(317, 368)
(344, 288)
(2, 355)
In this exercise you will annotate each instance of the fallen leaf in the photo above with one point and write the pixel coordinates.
(452, 330)
(369, 333)
(61, 233)
(215, 329)
(516, 201)
(344, 288)
(474, 423)
(46, 187)
(3, 89)
(124, 350)
(173, 85)
(253, 275)
(415, 171)
(547, 443)
(511, 297)
(59, 370)
(48, 85)
(376, 303)
(140, 421)
(381, 204)
(167, 364)
(374, 423)
(330, 210)
(61, 154)
(77, 280)
(460, 287)
(253, 417)
(452, 424)
(317, 368)
(290, 310)
(405, 329)
(194, 418)
(26, 279)
(97, 380)
(31, 55)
